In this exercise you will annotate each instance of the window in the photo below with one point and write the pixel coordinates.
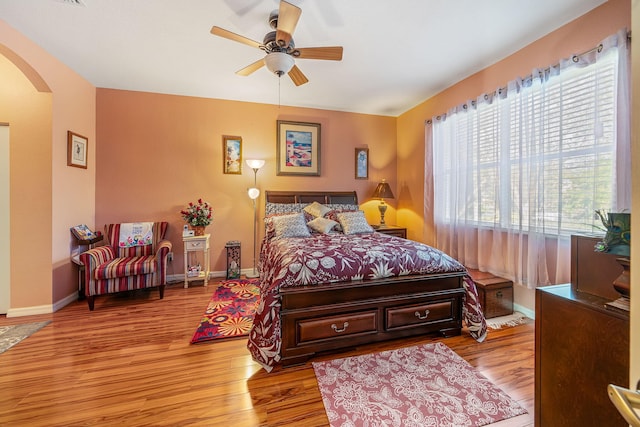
(543, 156)
(515, 173)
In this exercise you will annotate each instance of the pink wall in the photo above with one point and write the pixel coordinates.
(47, 196)
(575, 37)
(158, 152)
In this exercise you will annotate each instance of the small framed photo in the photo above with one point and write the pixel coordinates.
(77, 147)
(362, 163)
(232, 154)
(298, 148)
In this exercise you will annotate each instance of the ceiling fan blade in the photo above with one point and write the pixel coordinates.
(332, 53)
(251, 68)
(221, 32)
(297, 76)
(288, 16)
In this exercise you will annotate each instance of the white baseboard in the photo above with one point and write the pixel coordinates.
(43, 309)
(179, 278)
(65, 301)
(30, 311)
(524, 310)
(52, 308)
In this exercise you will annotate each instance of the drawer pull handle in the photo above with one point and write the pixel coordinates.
(335, 328)
(499, 294)
(419, 316)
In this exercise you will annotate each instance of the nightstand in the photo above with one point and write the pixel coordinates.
(75, 258)
(391, 230)
(195, 244)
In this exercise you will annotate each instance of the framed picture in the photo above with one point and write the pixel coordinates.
(77, 147)
(362, 163)
(232, 157)
(298, 148)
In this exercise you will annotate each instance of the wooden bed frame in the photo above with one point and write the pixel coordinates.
(335, 316)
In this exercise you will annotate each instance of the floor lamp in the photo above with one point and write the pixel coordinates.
(254, 193)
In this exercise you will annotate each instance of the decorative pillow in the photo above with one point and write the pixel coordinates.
(318, 210)
(269, 227)
(354, 223)
(333, 214)
(339, 207)
(322, 225)
(292, 225)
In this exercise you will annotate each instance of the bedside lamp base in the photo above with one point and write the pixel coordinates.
(382, 207)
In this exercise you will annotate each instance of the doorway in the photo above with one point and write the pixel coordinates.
(5, 244)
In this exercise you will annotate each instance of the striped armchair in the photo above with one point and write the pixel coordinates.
(125, 266)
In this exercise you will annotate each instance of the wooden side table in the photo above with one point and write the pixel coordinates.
(90, 244)
(391, 230)
(196, 244)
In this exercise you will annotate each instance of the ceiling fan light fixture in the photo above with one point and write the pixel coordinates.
(279, 63)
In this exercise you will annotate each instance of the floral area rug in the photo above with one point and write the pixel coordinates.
(12, 335)
(230, 311)
(424, 385)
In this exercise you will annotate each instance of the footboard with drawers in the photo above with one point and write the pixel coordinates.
(331, 317)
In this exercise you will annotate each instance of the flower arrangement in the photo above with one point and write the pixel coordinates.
(198, 214)
(618, 232)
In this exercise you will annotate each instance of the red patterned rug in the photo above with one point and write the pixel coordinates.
(230, 311)
(424, 385)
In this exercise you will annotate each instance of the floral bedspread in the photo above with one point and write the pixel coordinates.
(334, 257)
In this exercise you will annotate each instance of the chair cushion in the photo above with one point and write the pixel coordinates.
(129, 266)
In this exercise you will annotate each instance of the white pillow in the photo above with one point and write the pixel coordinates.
(322, 225)
(316, 209)
(354, 223)
(292, 225)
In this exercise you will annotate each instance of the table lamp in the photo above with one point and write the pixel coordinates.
(382, 191)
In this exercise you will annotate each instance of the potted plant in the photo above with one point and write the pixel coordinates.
(618, 232)
(616, 241)
(198, 215)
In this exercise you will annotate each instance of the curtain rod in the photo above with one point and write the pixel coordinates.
(574, 58)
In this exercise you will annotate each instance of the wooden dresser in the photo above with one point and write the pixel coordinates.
(580, 345)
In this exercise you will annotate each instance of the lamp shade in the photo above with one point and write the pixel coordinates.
(253, 193)
(279, 63)
(255, 163)
(383, 191)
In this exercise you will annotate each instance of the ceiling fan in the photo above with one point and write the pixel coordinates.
(279, 46)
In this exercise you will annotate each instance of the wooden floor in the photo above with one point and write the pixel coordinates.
(129, 363)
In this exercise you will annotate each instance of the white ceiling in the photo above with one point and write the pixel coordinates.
(397, 53)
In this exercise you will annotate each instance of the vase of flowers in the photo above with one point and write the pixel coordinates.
(198, 215)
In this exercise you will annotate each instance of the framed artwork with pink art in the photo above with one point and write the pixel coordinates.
(298, 148)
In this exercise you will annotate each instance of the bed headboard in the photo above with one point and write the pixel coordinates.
(325, 197)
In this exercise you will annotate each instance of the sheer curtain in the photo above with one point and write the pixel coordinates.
(516, 172)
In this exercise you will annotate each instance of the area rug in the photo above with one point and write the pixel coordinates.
(424, 385)
(12, 335)
(514, 319)
(230, 311)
